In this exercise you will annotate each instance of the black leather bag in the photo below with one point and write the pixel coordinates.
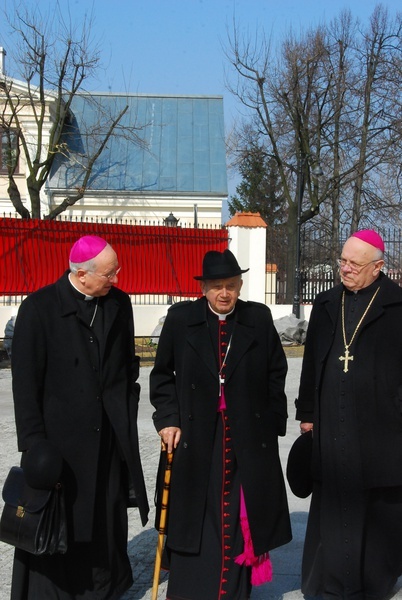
(33, 520)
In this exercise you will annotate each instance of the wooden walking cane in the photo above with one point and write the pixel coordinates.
(162, 522)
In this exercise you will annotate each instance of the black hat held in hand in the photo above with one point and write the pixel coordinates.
(298, 470)
(42, 465)
(220, 265)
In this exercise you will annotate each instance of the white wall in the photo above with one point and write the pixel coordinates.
(248, 245)
(146, 317)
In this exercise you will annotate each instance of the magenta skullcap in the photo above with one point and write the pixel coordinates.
(370, 237)
(86, 248)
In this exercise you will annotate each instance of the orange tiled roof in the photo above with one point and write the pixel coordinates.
(246, 219)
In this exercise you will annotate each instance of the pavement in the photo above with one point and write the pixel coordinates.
(142, 540)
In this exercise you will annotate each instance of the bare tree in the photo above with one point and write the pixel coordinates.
(379, 102)
(282, 96)
(331, 97)
(54, 58)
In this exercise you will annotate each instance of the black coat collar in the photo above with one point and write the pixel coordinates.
(69, 305)
(390, 293)
(199, 338)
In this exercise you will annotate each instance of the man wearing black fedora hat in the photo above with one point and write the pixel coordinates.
(218, 391)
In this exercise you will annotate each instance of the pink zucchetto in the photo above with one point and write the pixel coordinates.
(86, 248)
(370, 237)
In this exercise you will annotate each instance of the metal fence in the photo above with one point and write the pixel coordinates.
(319, 271)
(155, 260)
(318, 267)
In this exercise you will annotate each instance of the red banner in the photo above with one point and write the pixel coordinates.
(153, 260)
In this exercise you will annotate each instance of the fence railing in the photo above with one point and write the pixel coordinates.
(319, 271)
(154, 260)
(158, 262)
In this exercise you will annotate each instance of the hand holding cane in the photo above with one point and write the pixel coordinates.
(162, 522)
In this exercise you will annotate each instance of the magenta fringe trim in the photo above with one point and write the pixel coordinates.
(261, 566)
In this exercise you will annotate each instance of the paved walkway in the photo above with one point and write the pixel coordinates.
(142, 541)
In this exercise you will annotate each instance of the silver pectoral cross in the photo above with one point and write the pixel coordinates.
(346, 360)
(221, 383)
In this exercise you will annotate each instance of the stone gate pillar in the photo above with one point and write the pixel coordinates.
(247, 241)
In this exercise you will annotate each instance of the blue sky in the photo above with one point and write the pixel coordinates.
(175, 46)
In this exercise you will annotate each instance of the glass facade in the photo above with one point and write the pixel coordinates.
(162, 144)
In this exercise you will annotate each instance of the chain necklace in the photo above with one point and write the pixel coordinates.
(95, 311)
(347, 357)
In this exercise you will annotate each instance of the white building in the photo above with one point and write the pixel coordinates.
(167, 155)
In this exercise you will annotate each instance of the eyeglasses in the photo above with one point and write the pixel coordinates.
(354, 267)
(109, 276)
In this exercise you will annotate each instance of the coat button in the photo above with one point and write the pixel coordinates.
(264, 445)
(190, 418)
(257, 415)
(185, 445)
(97, 429)
(193, 386)
(91, 339)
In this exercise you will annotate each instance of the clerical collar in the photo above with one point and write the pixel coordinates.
(219, 315)
(84, 296)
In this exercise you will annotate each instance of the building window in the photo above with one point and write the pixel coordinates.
(8, 150)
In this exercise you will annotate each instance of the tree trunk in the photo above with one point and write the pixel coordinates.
(15, 198)
(34, 195)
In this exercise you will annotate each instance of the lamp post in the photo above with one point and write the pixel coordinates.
(195, 216)
(317, 172)
(297, 282)
(171, 220)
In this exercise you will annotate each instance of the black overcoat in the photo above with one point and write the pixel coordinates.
(377, 366)
(184, 392)
(60, 392)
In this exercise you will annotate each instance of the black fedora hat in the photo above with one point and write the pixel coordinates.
(220, 265)
(298, 469)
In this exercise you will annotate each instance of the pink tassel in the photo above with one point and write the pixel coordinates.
(261, 571)
(261, 566)
(247, 556)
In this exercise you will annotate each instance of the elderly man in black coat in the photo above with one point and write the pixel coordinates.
(351, 396)
(218, 390)
(74, 384)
